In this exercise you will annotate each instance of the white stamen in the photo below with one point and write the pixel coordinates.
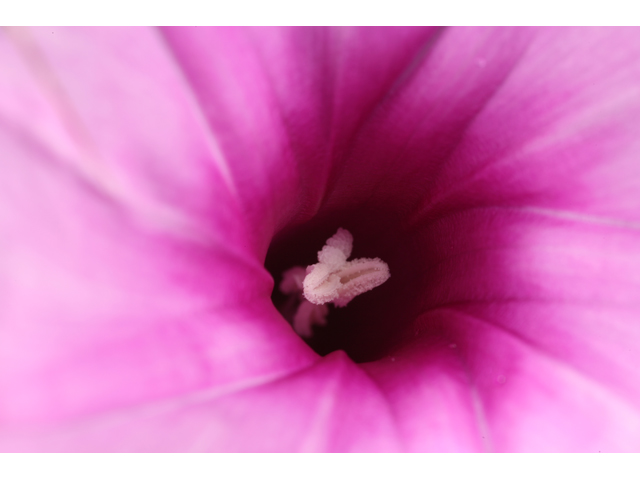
(332, 279)
(307, 314)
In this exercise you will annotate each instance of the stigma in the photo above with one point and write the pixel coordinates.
(334, 279)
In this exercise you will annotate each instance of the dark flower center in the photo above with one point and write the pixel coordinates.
(373, 323)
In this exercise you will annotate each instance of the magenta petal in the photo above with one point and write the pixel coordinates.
(519, 348)
(123, 281)
(288, 102)
(528, 215)
(313, 410)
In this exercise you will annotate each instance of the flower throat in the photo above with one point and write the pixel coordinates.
(334, 279)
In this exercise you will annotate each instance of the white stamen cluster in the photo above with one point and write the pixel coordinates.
(332, 279)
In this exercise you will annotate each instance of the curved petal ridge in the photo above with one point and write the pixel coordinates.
(63, 436)
(432, 395)
(559, 134)
(414, 139)
(426, 221)
(402, 79)
(587, 377)
(287, 126)
(470, 117)
(502, 242)
(389, 407)
(538, 349)
(139, 139)
(217, 154)
(119, 317)
(87, 161)
(531, 401)
(479, 411)
(577, 217)
(328, 406)
(404, 76)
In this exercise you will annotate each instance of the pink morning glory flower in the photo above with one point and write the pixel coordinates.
(157, 185)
